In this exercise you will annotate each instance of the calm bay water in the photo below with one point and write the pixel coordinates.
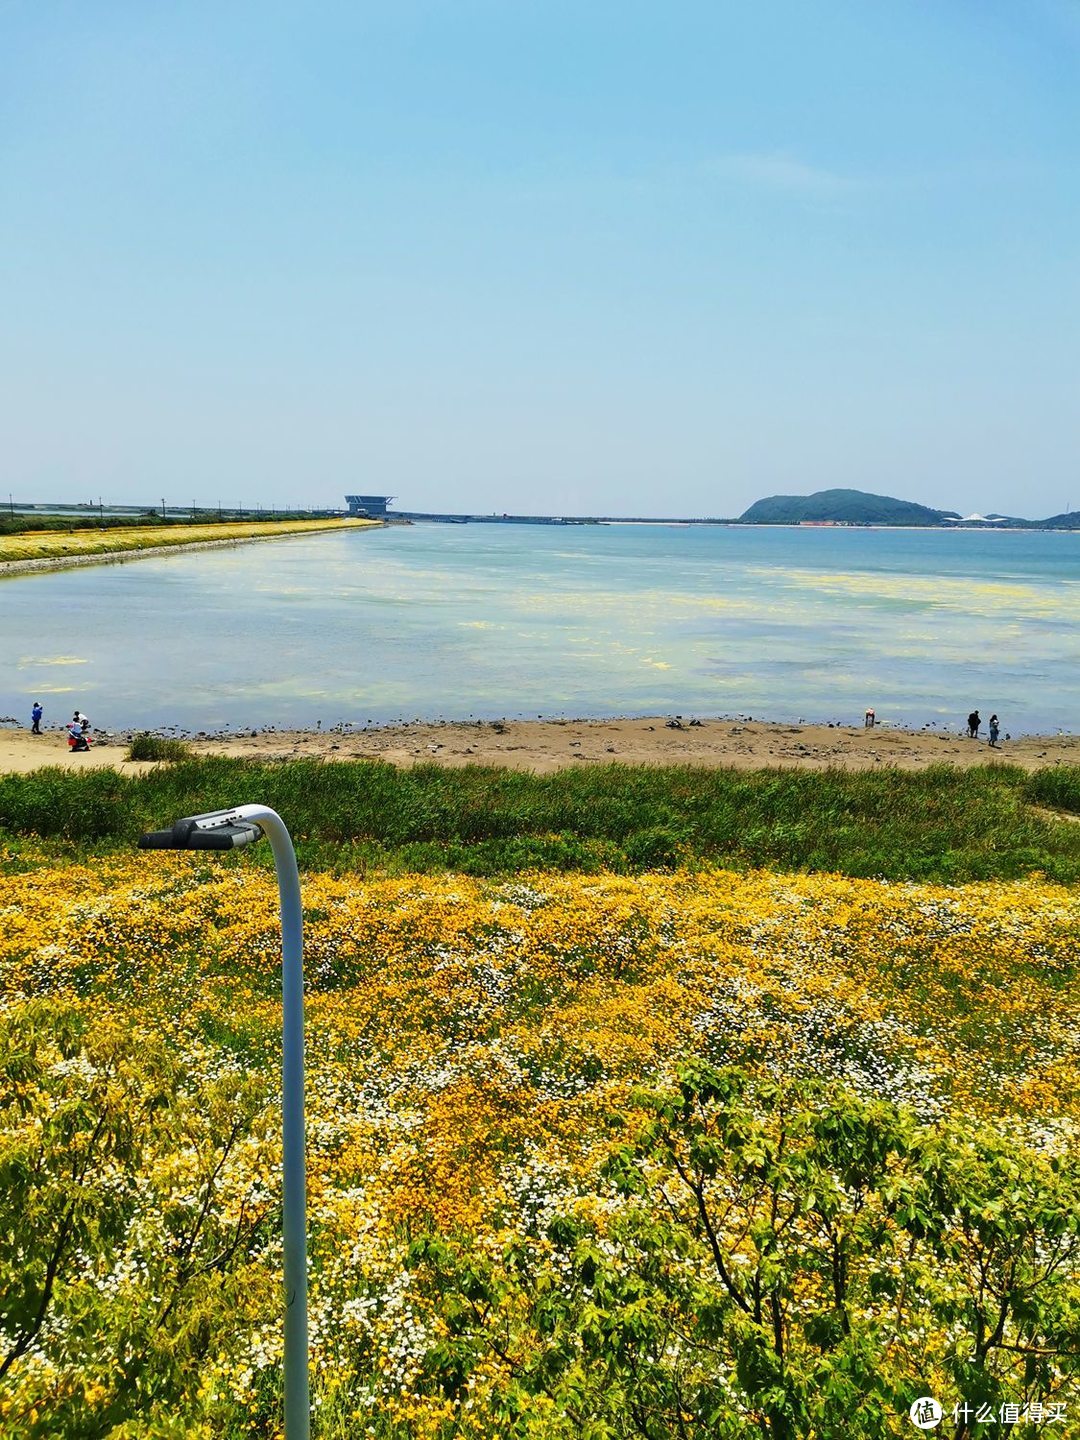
(488, 621)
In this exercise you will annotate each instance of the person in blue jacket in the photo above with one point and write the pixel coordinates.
(35, 715)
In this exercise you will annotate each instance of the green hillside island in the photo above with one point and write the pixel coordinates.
(858, 507)
(854, 507)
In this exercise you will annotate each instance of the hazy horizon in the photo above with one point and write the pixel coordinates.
(397, 505)
(614, 260)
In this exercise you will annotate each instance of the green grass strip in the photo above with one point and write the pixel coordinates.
(939, 824)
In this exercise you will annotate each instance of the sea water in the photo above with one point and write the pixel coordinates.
(452, 621)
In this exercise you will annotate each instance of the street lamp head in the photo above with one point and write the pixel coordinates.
(217, 830)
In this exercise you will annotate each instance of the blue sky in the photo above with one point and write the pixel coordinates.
(570, 258)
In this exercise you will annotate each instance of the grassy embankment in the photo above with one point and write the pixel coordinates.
(939, 824)
(52, 541)
(88, 518)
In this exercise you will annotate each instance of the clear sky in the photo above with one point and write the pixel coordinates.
(581, 257)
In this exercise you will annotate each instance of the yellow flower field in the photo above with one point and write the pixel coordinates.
(65, 544)
(468, 1042)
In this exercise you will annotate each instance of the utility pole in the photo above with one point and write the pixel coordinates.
(163, 507)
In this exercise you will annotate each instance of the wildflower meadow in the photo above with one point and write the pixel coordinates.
(669, 1154)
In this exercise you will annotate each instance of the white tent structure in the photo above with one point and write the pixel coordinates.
(979, 519)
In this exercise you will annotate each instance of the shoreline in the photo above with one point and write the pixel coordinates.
(545, 746)
(42, 563)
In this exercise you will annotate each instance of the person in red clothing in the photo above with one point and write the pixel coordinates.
(78, 738)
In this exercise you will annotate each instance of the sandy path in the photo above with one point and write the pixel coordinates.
(21, 752)
(546, 745)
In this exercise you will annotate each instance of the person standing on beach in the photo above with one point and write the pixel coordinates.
(973, 724)
(995, 730)
(35, 715)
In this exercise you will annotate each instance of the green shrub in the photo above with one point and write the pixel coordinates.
(145, 746)
(1058, 786)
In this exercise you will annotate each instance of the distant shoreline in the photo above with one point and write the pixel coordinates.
(577, 522)
(543, 746)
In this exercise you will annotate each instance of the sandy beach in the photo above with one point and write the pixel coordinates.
(546, 745)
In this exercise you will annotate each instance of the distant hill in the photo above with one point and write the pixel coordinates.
(854, 507)
(1070, 520)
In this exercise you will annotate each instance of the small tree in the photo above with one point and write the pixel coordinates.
(128, 1244)
(775, 1260)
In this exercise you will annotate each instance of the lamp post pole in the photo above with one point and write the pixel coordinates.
(297, 1406)
(225, 830)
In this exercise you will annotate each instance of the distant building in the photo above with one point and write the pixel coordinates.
(368, 507)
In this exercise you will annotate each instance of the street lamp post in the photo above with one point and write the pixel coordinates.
(225, 830)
